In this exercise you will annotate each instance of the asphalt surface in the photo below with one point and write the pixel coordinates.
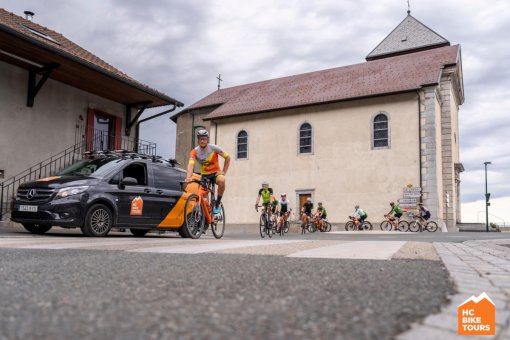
(55, 294)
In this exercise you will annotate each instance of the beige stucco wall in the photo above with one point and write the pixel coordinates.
(439, 158)
(29, 135)
(343, 169)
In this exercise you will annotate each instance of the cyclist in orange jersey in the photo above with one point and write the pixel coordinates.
(207, 156)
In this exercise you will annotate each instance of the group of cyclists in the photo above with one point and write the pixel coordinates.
(207, 156)
(278, 207)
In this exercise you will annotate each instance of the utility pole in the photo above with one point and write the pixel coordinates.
(487, 203)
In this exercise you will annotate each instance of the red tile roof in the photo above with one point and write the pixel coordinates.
(57, 42)
(384, 76)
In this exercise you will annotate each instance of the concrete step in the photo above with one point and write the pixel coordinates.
(474, 227)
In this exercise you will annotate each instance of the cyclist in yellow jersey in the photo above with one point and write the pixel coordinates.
(267, 196)
(207, 156)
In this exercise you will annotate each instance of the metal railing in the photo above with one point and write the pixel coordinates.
(99, 141)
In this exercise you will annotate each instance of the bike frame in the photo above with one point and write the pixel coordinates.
(202, 191)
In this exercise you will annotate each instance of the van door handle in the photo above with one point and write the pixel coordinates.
(159, 191)
(147, 190)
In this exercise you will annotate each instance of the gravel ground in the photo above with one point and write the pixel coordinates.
(417, 251)
(55, 294)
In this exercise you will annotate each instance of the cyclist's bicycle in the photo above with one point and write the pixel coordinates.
(391, 223)
(320, 224)
(353, 225)
(282, 227)
(267, 225)
(306, 225)
(198, 211)
(418, 225)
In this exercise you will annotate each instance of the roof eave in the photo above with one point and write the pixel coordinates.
(91, 66)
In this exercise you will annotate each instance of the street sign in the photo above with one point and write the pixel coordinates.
(407, 201)
(412, 194)
(413, 189)
(407, 205)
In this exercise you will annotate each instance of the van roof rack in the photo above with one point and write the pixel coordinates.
(125, 154)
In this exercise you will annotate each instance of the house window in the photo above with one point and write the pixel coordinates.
(305, 138)
(380, 133)
(242, 145)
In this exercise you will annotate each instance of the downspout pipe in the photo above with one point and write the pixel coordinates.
(149, 118)
(419, 142)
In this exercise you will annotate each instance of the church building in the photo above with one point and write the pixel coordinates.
(371, 133)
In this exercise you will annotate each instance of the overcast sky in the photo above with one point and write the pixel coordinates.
(180, 46)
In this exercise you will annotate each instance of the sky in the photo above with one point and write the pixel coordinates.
(180, 46)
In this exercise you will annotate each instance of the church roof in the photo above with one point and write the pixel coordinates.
(410, 35)
(398, 74)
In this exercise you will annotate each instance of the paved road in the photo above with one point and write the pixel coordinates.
(63, 285)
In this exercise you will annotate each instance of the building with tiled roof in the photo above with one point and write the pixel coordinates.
(359, 134)
(55, 95)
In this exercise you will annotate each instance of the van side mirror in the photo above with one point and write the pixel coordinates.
(127, 181)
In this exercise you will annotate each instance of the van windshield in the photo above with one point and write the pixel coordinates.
(92, 167)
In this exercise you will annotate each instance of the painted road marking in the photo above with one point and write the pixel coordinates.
(212, 247)
(374, 250)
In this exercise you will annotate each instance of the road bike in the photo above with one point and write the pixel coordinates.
(353, 224)
(418, 225)
(391, 223)
(267, 224)
(318, 223)
(198, 211)
(283, 225)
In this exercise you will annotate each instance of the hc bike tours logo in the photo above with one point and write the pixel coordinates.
(136, 206)
(477, 316)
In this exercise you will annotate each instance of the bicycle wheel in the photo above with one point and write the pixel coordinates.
(347, 225)
(414, 226)
(403, 226)
(218, 224)
(262, 226)
(286, 227)
(328, 226)
(385, 225)
(312, 228)
(367, 225)
(270, 230)
(195, 218)
(431, 226)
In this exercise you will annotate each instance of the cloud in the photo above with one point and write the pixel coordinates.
(180, 46)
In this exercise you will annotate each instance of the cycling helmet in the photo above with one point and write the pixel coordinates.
(392, 203)
(308, 199)
(320, 203)
(284, 195)
(356, 206)
(265, 183)
(202, 133)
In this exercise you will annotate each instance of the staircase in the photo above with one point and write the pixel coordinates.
(62, 160)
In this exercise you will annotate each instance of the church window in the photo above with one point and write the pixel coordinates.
(380, 131)
(242, 145)
(305, 138)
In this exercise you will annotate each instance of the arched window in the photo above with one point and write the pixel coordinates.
(305, 138)
(380, 133)
(242, 145)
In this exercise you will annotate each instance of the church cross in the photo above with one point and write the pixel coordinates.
(219, 80)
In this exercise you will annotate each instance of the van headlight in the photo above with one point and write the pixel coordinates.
(64, 192)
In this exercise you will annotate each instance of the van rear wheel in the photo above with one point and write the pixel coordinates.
(138, 232)
(36, 228)
(98, 221)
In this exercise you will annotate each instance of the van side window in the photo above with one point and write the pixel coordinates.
(137, 171)
(166, 178)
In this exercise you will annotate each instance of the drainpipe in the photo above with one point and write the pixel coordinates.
(215, 133)
(149, 118)
(419, 142)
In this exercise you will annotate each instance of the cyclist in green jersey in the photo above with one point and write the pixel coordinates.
(321, 213)
(395, 212)
(283, 209)
(266, 193)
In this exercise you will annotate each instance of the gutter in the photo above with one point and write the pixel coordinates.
(419, 142)
(137, 133)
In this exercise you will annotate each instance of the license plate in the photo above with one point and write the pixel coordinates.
(30, 208)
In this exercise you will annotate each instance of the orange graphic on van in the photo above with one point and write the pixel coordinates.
(47, 179)
(477, 316)
(136, 206)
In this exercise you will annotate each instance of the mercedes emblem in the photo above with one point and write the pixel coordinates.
(31, 194)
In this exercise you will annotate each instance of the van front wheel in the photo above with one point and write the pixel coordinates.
(98, 221)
